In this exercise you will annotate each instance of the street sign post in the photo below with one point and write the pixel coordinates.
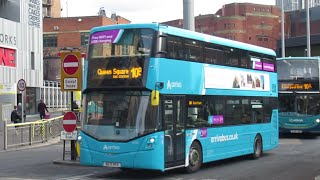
(21, 85)
(69, 124)
(70, 64)
(71, 71)
(68, 135)
(69, 121)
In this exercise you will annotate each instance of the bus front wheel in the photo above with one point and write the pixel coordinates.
(195, 157)
(257, 148)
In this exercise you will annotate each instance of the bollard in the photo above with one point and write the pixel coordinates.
(5, 135)
(73, 150)
(47, 131)
(31, 133)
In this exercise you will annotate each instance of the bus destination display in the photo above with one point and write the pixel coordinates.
(310, 86)
(134, 72)
(115, 72)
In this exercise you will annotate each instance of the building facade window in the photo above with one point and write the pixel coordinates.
(85, 38)
(31, 104)
(50, 40)
(32, 61)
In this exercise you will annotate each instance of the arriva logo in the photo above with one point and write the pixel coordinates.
(175, 84)
(105, 147)
(296, 120)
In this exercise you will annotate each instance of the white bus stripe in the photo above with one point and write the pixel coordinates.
(69, 121)
(70, 64)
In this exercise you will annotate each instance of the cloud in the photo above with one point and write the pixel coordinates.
(139, 11)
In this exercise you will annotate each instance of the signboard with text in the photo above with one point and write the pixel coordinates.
(64, 135)
(7, 56)
(116, 72)
(71, 71)
(299, 86)
(6, 89)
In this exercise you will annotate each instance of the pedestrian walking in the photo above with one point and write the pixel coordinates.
(19, 108)
(42, 108)
(15, 117)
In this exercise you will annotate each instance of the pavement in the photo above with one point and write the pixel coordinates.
(21, 148)
(57, 140)
(31, 118)
(67, 162)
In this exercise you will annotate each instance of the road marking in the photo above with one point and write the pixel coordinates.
(290, 141)
(83, 177)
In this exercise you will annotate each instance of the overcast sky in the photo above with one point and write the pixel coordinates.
(146, 11)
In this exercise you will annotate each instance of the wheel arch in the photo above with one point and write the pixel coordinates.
(197, 140)
(259, 135)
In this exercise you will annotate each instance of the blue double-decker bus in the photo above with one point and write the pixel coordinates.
(168, 98)
(299, 97)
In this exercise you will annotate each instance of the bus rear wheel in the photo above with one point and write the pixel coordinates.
(257, 148)
(195, 158)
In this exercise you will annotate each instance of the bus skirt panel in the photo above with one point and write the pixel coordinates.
(143, 153)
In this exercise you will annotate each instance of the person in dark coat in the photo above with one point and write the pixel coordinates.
(15, 117)
(42, 108)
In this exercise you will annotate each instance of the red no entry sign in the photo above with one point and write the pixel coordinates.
(69, 122)
(70, 64)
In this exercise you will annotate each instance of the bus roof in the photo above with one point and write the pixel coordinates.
(299, 58)
(190, 34)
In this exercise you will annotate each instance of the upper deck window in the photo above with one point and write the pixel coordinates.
(121, 42)
(298, 69)
(175, 47)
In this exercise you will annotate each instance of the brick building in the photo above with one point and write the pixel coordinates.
(72, 32)
(246, 22)
(51, 8)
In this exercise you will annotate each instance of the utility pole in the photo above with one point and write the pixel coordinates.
(283, 47)
(308, 28)
(188, 15)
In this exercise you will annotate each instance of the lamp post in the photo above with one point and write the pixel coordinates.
(283, 50)
(188, 15)
(308, 28)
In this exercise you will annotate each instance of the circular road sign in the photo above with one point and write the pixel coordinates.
(69, 121)
(70, 64)
(21, 85)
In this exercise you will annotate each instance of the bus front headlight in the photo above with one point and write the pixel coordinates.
(150, 143)
(151, 140)
(318, 120)
(79, 139)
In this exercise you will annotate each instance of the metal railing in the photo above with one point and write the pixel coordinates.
(24, 134)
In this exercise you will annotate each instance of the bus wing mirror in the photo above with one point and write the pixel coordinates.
(155, 98)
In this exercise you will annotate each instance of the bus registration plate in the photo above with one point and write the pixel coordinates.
(112, 164)
(296, 131)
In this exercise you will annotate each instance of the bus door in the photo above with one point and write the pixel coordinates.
(174, 126)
